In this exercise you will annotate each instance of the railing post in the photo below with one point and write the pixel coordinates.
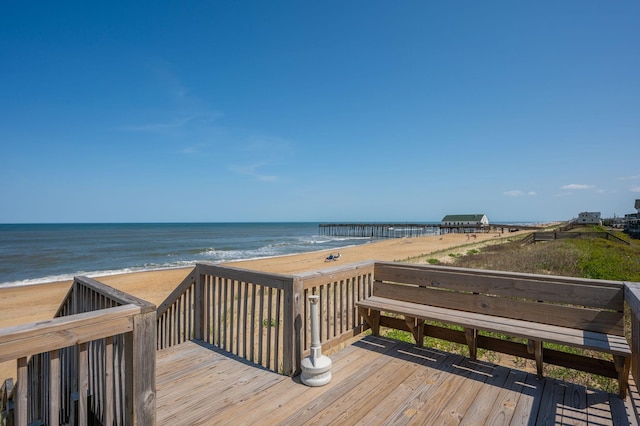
(140, 403)
(198, 308)
(20, 397)
(631, 296)
(292, 327)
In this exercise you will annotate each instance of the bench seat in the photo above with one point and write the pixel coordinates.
(615, 345)
(416, 313)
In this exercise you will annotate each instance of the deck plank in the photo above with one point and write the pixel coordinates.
(482, 405)
(355, 404)
(375, 381)
(503, 410)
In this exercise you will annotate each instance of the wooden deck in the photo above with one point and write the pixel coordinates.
(375, 381)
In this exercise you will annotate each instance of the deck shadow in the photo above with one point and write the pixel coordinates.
(550, 397)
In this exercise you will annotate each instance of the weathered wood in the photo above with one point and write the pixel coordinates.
(143, 369)
(83, 384)
(632, 297)
(477, 300)
(599, 294)
(335, 274)
(375, 381)
(535, 347)
(531, 310)
(176, 293)
(517, 328)
(471, 336)
(113, 294)
(623, 365)
(20, 393)
(293, 311)
(382, 267)
(109, 382)
(24, 340)
(244, 275)
(54, 387)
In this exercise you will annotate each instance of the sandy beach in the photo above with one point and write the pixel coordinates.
(26, 304)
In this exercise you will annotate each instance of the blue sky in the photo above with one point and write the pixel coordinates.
(318, 111)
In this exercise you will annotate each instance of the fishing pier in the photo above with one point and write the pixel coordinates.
(379, 230)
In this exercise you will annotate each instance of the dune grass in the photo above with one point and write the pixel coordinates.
(594, 258)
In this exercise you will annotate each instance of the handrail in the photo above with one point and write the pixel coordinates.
(339, 288)
(95, 359)
(250, 314)
(263, 317)
(632, 297)
(33, 338)
(86, 294)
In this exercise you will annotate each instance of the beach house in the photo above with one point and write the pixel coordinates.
(589, 218)
(464, 223)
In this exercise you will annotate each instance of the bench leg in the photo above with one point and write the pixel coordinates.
(535, 347)
(623, 364)
(471, 335)
(416, 325)
(372, 317)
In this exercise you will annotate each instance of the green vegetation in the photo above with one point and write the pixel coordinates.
(594, 258)
(267, 322)
(433, 261)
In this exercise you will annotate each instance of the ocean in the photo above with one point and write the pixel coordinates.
(38, 253)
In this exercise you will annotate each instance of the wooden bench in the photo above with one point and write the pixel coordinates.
(587, 314)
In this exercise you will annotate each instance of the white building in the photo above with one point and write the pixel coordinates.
(589, 218)
(464, 223)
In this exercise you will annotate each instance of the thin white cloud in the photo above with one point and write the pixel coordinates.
(635, 189)
(518, 193)
(577, 186)
(636, 177)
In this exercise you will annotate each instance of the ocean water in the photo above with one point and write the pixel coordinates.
(35, 253)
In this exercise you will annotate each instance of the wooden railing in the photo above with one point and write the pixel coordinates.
(101, 344)
(632, 298)
(93, 362)
(550, 236)
(339, 288)
(262, 317)
(247, 313)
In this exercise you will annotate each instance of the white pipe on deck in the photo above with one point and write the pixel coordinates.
(316, 368)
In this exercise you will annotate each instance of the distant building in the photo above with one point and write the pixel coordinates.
(589, 218)
(464, 223)
(632, 222)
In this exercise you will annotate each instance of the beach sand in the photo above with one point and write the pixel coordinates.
(20, 305)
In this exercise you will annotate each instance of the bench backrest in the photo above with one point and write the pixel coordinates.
(590, 305)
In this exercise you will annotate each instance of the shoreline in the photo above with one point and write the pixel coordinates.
(148, 284)
(30, 303)
(188, 265)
